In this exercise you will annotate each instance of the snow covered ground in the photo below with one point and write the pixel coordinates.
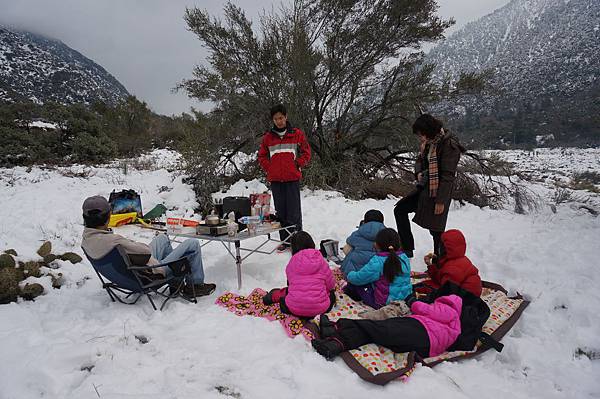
(550, 165)
(75, 343)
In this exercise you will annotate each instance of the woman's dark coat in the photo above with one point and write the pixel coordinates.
(448, 155)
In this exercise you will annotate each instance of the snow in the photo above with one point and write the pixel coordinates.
(542, 139)
(44, 125)
(242, 188)
(157, 159)
(75, 343)
(554, 166)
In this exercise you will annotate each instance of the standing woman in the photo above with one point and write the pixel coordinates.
(435, 171)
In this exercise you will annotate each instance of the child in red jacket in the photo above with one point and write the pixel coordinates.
(452, 266)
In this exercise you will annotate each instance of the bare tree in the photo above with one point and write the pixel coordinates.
(350, 73)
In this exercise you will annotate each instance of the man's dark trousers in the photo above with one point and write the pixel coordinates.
(286, 196)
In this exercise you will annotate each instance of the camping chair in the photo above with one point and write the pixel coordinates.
(134, 281)
(330, 251)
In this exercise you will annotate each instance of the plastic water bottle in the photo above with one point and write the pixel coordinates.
(249, 219)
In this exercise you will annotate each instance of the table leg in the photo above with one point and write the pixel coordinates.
(238, 263)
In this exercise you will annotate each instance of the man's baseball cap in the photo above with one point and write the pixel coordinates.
(95, 205)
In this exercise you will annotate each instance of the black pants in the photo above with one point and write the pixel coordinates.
(284, 308)
(286, 196)
(405, 206)
(400, 334)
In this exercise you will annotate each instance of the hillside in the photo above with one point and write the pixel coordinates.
(39, 69)
(545, 59)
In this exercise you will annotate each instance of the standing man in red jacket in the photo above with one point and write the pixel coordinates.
(283, 153)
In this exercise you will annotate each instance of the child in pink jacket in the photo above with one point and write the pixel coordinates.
(311, 284)
(429, 331)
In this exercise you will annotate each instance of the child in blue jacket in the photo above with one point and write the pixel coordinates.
(386, 277)
(360, 243)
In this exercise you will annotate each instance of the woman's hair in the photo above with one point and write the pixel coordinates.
(301, 240)
(95, 218)
(388, 240)
(427, 125)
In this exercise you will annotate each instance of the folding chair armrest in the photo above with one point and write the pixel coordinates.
(146, 267)
(179, 267)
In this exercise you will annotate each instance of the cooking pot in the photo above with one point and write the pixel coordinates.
(212, 220)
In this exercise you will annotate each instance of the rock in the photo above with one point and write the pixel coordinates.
(32, 268)
(57, 279)
(9, 285)
(7, 260)
(11, 252)
(87, 367)
(71, 257)
(50, 258)
(19, 273)
(31, 291)
(45, 249)
(142, 339)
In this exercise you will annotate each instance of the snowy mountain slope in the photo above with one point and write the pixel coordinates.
(75, 343)
(550, 46)
(39, 69)
(545, 56)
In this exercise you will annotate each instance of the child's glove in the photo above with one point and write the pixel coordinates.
(412, 298)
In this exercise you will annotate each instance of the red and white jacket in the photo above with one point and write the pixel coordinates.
(282, 158)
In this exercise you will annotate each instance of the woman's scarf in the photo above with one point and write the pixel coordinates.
(434, 181)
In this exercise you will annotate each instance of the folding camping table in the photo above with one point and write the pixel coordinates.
(238, 238)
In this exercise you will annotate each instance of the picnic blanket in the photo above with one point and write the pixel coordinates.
(374, 363)
(379, 365)
(252, 305)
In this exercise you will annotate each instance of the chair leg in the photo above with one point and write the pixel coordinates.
(164, 303)
(151, 301)
(110, 294)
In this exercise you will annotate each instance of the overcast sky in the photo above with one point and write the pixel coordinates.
(145, 43)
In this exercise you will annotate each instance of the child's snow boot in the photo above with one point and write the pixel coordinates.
(328, 348)
(326, 326)
(268, 298)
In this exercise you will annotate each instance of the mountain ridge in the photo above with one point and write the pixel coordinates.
(41, 69)
(545, 58)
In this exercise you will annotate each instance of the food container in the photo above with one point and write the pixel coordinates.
(275, 225)
(263, 201)
(181, 226)
(252, 227)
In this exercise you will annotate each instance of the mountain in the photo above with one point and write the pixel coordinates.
(545, 59)
(40, 69)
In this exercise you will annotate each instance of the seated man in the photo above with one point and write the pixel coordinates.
(98, 240)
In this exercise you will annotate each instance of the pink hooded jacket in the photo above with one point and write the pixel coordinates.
(441, 319)
(309, 281)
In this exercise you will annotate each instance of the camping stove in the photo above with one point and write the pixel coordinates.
(213, 230)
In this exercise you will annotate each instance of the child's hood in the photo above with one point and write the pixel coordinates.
(307, 261)
(443, 310)
(454, 244)
(452, 301)
(369, 230)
